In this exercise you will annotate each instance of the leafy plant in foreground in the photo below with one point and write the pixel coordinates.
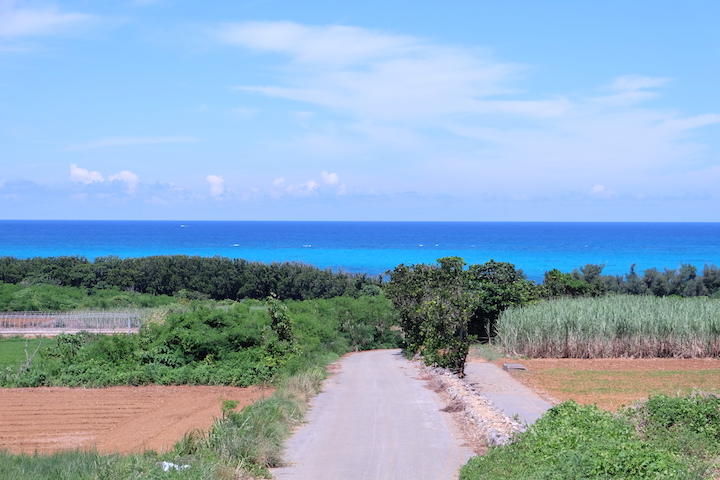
(578, 442)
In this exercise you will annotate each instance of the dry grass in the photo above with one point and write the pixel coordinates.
(613, 382)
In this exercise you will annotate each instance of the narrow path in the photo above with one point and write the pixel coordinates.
(375, 420)
(506, 393)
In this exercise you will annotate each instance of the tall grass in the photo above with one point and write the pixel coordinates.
(613, 326)
(256, 435)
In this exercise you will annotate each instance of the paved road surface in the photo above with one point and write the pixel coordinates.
(375, 420)
(509, 395)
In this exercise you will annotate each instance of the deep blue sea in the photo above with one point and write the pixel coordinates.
(375, 247)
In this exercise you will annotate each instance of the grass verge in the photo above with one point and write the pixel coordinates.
(664, 438)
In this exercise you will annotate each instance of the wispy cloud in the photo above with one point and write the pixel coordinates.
(374, 73)
(17, 21)
(462, 116)
(599, 191)
(127, 141)
(335, 44)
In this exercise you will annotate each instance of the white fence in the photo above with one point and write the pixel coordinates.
(59, 322)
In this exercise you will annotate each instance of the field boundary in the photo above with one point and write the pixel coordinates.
(55, 323)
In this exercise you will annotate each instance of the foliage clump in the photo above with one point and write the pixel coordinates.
(240, 344)
(588, 281)
(442, 307)
(193, 277)
(664, 438)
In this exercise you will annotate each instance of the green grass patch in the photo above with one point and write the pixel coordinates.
(13, 350)
(665, 438)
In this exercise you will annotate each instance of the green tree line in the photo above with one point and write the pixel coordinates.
(196, 277)
(589, 281)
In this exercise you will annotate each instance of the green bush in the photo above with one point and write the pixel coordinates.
(688, 425)
(239, 344)
(577, 442)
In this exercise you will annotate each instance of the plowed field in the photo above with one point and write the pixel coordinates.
(116, 419)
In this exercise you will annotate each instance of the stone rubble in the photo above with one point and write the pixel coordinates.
(490, 423)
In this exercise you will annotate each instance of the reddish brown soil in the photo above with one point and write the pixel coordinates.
(613, 382)
(116, 419)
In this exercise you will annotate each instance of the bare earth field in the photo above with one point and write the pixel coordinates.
(132, 419)
(114, 420)
(613, 382)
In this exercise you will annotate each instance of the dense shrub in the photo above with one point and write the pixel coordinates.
(583, 442)
(238, 344)
(589, 281)
(49, 297)
(197, 277)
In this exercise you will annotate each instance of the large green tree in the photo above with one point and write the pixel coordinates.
(496, 286)
(442, 304)
(434, 304)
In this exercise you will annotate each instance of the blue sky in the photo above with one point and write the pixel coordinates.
(521, 110)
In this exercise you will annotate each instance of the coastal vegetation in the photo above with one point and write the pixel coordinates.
(238, 344)
(589, 281)
(221, 278)
(217, 278)
(218, 321)
(612, 326)
(284, 344)
(666, 437)
(444, 307)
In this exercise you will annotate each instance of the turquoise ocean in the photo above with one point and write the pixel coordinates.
(375, 247)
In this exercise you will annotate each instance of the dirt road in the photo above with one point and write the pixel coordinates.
(376, 420)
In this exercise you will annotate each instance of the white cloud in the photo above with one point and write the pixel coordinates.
(329, 178)
(630, 90)
(129, 178)
(278, 181)
(374, 73)
(81, 175)
(638, 82)
(599, 191)
(436, 118)
(317, 45)
(217, 185)
(303, 189)
(17, 22)
(310, 186)
(126, 141)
